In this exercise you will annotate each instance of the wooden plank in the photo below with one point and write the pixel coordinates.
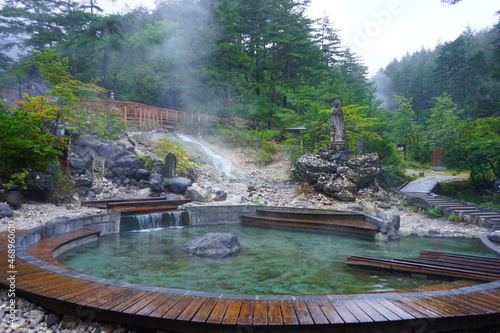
(138, 306)
(375, 314)
(246, 313)
(178, 307)
(204, 311)
(316, 313)
(88, 299)
(288, 313)
(232, 312)
(218, 311)
(344, 312)
(154, 304)
(189, 312)
(414, 308)
(330, 313)
(164, 307)
(260, 313)
(103, 300)
(400, 312)
(470, 306)
(428, 253)
(448, 305)
(485, 303)
(274, 313)
(357, 311)
(119, 300)
(138, 297)
(302, 313)
(435, 306)
(485, 299)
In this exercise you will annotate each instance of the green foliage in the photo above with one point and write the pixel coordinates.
(25, 143)
(480, 193)
(466, 69)
(63, 188)
(18, 179)
(435, 212)
(454, 217)
(165, 146)
(475, 146)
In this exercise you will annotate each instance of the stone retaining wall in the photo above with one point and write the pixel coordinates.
(207, 215)
(106, 223)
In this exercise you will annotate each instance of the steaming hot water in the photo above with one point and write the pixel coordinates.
(220, 163)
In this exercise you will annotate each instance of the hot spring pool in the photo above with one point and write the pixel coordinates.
(271, 261)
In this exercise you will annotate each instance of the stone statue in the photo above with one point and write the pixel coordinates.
(337, 132)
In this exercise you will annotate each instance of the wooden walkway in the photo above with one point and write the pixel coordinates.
(436, 264)
(40, 278)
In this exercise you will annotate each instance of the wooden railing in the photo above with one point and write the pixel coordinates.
(145, 117)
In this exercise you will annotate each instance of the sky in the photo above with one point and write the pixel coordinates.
(379, 31)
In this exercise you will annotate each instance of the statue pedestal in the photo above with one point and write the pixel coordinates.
(338, 146)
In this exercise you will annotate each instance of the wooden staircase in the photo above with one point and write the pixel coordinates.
(340, 221)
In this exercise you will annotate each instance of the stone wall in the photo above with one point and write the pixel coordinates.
(218, 214)
(106, 223)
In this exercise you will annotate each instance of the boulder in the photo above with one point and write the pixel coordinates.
(156, 182)
(212, 244)
(170, 196)
(5, 210)
(220, 195)
(494, 236)
(178, 185)
(196, 193)
(14, 199)
(40, 188)
(392, 220)
(338, 173)
(141, 174)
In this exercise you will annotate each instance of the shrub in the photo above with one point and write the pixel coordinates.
(435, 212)
(165, 146)
(26, 144)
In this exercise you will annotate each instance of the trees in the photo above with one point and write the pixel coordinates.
(475, 146)
(463, 68)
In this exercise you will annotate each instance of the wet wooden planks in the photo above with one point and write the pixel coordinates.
(277, 314)
(448, 265)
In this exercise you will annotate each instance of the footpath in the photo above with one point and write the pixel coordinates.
(420, 193)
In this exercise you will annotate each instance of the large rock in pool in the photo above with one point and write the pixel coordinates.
(213, 244)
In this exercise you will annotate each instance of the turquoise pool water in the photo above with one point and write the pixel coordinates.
(271, 261)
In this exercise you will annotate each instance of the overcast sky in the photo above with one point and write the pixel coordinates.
(380, 30)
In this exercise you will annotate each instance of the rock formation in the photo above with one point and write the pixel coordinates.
(213, 244)
(336, 171)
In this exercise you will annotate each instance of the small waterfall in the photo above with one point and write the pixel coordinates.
(175, 219)
(152, 222)
(220, 163)
(148, 222)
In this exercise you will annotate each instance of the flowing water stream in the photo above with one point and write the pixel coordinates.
(207, 155)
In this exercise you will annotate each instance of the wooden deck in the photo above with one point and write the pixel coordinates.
(340, 221)
(449, 306)
(134, 205)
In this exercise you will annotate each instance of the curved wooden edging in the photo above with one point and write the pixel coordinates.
(66, 291)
